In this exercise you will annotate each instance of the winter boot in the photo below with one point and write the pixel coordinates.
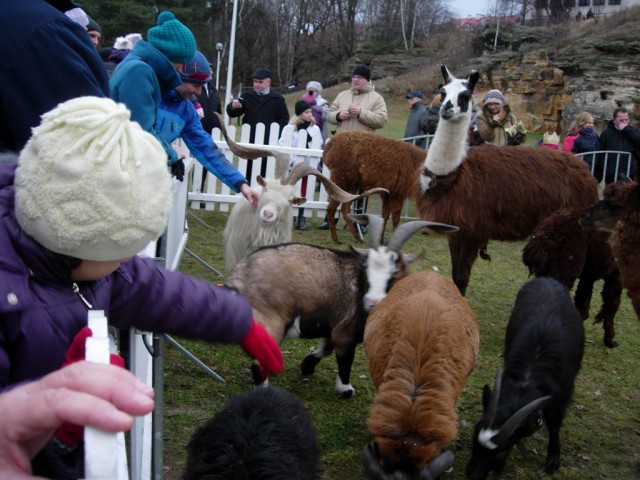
(302, 223)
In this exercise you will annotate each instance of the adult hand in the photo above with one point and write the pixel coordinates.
(261, 346)
(89, 394)
(355, 110)
(252, 196)
(236, 103)
(344, 115)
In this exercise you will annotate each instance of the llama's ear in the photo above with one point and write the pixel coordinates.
(473, 78)
(446, 74)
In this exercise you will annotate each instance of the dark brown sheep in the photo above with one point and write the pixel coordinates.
(492, 193)
(618, 213)
(560, 248)
(360, 159)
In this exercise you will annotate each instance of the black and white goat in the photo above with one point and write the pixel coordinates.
(271, 224)
(265, 433)
(542, 356)
(307, 291)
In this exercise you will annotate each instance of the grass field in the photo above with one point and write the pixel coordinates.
(600, 437)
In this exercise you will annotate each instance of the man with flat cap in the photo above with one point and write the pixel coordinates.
(417, 120)
(260, 105)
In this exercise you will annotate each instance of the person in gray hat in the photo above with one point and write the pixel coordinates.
(417, 120)
(495, 117)
(260, 105)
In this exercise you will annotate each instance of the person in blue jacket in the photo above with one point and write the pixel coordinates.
(177, 117)
(45, 59)
(150, 72)
(90, 190)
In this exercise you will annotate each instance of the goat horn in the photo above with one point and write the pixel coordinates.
(299, 171)
(404, 231)
(370, 462)
(333, 190)
(282, 164)
(516, 419)
(242, 152)
(375, 223)
(437, 466)
(493, 406)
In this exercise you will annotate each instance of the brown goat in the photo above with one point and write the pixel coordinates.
(560, 248)
(360, 159)
(421, 342)
(619, 214)
(499, 193)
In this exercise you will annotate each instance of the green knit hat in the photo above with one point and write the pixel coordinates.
(172, 38)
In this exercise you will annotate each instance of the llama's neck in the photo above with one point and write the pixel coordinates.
(449, 146)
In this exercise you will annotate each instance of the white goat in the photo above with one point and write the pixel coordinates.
(247, 230)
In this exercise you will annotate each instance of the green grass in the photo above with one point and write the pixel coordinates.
(600, 436)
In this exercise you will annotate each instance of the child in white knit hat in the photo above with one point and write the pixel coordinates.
(91, 189)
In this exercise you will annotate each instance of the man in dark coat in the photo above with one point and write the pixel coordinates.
(260, 105)
(619, 135)
(209, 99)
(45, 59)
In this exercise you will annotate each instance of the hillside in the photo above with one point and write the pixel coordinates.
(548, 74)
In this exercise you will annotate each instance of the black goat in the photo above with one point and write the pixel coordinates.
(542, 355)
(265, 433)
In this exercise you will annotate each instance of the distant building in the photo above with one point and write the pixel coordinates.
(477, 22)
(601, 8)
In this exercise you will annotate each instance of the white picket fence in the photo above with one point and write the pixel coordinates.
(217, 195)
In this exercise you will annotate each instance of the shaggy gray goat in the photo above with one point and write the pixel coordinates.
(271, 224)
(306, 291)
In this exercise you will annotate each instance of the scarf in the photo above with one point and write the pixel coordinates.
(590, 136)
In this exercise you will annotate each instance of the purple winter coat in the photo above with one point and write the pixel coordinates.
(40, 314)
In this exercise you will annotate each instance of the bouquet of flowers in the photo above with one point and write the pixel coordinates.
(516, 134)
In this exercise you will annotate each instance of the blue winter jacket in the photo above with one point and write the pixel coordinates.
(45, 59)
(40, 313)
(140, 81)
(177, 117)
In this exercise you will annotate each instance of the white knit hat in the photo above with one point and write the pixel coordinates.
(91, 184)
(79, 16)
(494, 96)
(313, 85)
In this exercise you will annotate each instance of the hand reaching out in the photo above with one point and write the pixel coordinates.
(83, 393)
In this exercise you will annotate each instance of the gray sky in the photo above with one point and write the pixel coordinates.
(468, 8)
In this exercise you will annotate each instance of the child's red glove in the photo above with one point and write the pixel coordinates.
(260, 345)
(68, 433)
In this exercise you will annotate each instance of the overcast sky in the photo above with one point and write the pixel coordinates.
(468, 8)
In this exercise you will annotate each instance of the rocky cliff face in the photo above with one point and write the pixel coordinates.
(549, 76)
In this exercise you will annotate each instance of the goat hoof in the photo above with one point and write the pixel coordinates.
(610, 343)
(308, 365)
(347, 393)
(552, 465)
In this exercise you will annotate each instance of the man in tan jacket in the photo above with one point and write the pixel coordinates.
(360, 107)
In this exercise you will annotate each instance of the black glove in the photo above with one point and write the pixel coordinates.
(177, 170)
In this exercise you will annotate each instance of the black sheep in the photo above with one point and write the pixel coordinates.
(542, 355)
(262, 434)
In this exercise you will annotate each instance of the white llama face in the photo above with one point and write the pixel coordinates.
(457, 95)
